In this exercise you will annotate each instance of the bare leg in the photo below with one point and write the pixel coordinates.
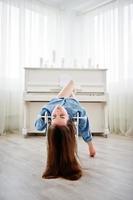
(73, 94)
(67, 91)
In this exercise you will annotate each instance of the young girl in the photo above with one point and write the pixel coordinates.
(62, 151)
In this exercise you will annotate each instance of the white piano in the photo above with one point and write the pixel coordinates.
(42, 84)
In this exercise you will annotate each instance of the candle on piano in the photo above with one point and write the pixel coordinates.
(62, 62)
(53, 56)
(89, 62)
(46, 63)
(75, 63)
(41, 61)
(97, 66)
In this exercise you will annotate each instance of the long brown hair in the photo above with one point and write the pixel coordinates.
(62, 153)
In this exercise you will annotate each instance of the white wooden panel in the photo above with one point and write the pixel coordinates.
(40, 79)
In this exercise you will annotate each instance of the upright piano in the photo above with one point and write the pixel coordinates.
(42, 84)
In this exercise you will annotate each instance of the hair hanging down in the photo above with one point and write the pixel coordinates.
(62, 153)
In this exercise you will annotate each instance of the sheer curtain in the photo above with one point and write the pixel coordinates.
(10, 74)
(110, 45)
(29, 31)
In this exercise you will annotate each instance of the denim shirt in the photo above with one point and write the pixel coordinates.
(73, 107)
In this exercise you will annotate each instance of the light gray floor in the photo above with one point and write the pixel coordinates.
(108, 176)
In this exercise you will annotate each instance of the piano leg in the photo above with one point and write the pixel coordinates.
(106, 129)
(24, 130)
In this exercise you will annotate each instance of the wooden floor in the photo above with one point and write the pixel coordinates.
(108, 176)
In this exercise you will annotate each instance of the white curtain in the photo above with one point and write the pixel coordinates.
(109, 30)
(30, 33)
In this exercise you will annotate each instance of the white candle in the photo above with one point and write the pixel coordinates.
(62, 62)
(89, 62)
(53, 56)
(41, 61)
